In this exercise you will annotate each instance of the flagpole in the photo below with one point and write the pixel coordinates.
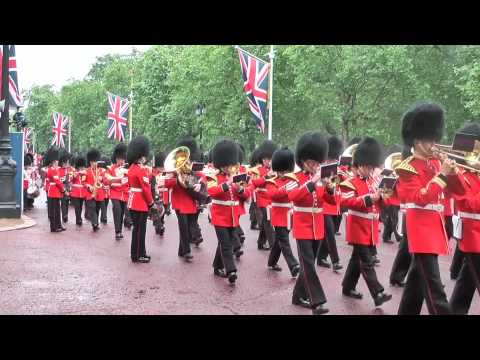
(130, 115)
(270, 95)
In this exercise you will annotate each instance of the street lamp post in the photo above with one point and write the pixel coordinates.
(8, 207)
(199, 112)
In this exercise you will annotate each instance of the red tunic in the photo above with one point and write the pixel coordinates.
(280, 206)
(469, 205)
(181, 199)
(307, 208)
(78, 187)
(420, 186)
(363, 215)
(90, 182)
(55, 185)
(225, 209)
(242, 170)
(140, 196)
(118, 180)
(262, 198)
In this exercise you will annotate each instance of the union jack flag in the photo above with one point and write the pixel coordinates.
(59, 129)
(15, 96)
(255, 74)
(27, 137)
(117, 117)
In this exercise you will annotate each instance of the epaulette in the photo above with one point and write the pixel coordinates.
(272, 180)
(405, 165)
(348, 184)
(291, 176)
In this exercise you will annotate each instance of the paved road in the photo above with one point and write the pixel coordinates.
(81, 272)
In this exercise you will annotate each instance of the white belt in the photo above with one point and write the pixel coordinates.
(225, 203)
(136, 190)
(52, 184)
(162, 190)
(77, 185)
(307, 209)
(466, 215)
(282, 205)
(115, 184)
(431, 207)
(261, 190)
(369, 216)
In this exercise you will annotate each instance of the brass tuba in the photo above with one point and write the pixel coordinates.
(178, 161)
(393, 160)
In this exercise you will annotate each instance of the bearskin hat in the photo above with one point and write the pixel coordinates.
(311, 146)
(93, 155)
(335, 147)
(63, 157)
(254, 157)
(225, 153)
(160, 159)
(472, 128)
(138, 147)
(423, 121)
(191, 144)
(283, 160)
(28, 159)
(119, 152)
(355, 140)
(241, 153)
(266, 150)
(51, 155)
(80, 161)
(105, 161)
(368, 152)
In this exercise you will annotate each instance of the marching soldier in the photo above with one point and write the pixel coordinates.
(140, 200)
(95, 196)
(116, 175)
(308, 197)
(241, 169)
(225, 196)
(265, 153)
(78, 189)
(283, 163)
(469, 244)
(363, 200)
(160, 191)
(104, 164)
(331, 214)
(423, 179)
(29, 177)
(55, 190)
(66, 175)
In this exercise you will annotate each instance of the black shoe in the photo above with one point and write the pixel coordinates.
(388, 241)
(376, 260)
(295, 271)
(157, 232)
(147, 256)
(254, 227)
(220, 272)
(336, 266)
(264, 247)
(453, 276)
(143, 259)
(118, 236)
(238, 253)
(161, 231)
(354, 294)
(61, 228)
(323, 263)
(65, 220)
(104, 222)
(302, 302)
(188, 256)
(381, 298)
(57, 230)
(232, 277)
(128, 226)
(275, 267)
(397, 283)
(319, 310)
(95, 228)
(79, 223)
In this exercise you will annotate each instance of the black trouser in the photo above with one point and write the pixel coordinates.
(159, 223)
(329, 246)
(53, 209)
(457, 262)
(118, 210)
(253, 215)
(337, 220)
(224, 254)
(185, 224)
(103, 211)
(241, 234)
(468, 281)
(195, 230)
(266, 229)
(361, 262)
(282, 245)
(93, 210)
(139, 219)
(402, 261)
(64, 203)
(308, 284)
(449, 226)
(424, 282)
(390, 223)
(373, 250)
(127, 220)
(78, 205)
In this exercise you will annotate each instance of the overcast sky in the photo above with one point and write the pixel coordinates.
(57, 64)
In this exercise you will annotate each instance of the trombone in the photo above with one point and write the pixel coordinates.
(471, 159)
